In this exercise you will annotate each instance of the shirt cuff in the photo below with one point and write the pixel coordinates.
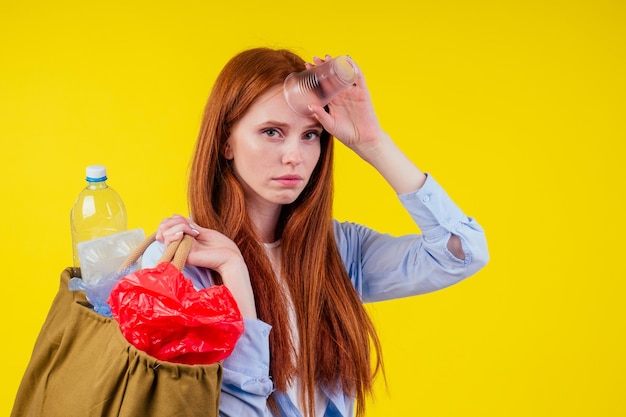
(433, 210)
(251, 355)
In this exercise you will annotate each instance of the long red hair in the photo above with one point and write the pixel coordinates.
(336, 335)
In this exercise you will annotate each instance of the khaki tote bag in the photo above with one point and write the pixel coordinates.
(82, 366)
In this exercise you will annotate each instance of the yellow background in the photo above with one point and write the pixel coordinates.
(516, 107)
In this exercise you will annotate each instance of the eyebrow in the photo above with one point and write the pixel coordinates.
(281, 124)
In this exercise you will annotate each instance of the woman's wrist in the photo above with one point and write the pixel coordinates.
(237, 280)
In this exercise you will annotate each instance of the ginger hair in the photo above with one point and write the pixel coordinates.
(336, 335)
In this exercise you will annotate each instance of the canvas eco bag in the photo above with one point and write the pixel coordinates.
(83, 366)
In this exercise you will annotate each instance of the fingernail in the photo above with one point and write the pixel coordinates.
(195, 231)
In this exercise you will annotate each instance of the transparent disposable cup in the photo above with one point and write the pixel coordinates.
(319, 84)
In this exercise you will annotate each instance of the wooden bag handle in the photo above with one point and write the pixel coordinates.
(176, 252)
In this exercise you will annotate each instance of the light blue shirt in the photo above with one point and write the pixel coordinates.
(381, 267)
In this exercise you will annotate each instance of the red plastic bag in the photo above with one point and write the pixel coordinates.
(161, 313)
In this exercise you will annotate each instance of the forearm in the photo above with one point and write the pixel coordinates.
(397, 169)
(235, 276)
(401, 173)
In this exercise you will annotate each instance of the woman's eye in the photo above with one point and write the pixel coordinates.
(272, 133)
(311, 135)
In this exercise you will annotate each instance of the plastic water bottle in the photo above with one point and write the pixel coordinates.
(98, 211)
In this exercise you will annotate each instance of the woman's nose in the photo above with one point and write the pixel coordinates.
(293, 152)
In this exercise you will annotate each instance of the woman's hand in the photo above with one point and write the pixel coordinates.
(213, 250)
(352, 120)
(351, 117)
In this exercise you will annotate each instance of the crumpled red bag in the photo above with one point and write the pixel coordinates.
(161, 313)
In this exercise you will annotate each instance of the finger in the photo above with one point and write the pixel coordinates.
(173, 234)
(317, 60)
(194, 227)
(165, 225)
(170, 221)
(173, 228)
(324, 118)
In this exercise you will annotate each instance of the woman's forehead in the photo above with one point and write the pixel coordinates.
(272, 106)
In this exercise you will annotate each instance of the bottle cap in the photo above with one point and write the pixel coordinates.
(96, 173)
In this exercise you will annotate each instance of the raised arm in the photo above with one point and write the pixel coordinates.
(352, 120)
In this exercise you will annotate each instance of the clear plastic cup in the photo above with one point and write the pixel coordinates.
(319, 84)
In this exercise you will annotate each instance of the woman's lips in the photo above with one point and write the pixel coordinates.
(289, 180)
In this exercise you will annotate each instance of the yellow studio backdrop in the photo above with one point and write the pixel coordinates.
(516, 107)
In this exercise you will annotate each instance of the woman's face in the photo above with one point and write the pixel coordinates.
(273, 151)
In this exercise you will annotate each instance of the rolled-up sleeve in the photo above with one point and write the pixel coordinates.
(385, 267)
(246, 383)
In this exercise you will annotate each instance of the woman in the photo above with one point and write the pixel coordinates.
(260, 196)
